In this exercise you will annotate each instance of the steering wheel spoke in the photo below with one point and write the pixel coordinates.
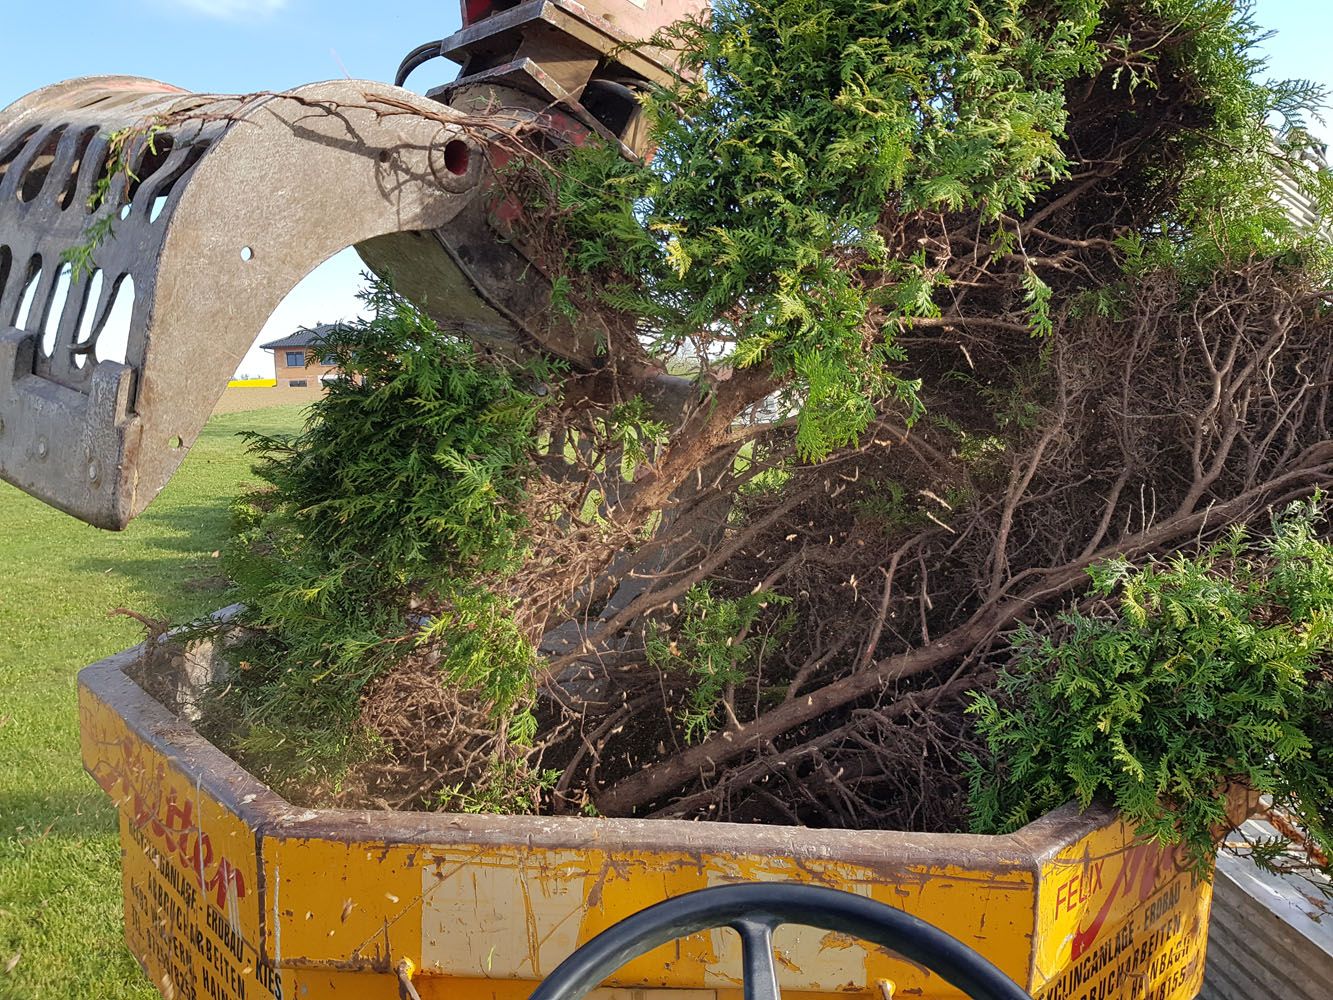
(759, 974)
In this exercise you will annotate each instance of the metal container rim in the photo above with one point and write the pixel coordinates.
(209, 769)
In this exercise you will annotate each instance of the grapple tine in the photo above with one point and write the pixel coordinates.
(227, 203)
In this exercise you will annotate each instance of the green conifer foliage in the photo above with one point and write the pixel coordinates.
(758, 218)
(714, 647)
(1201, 673)
(769, 225)
(381, 533)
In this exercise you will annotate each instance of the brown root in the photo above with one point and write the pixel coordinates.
(428, 737)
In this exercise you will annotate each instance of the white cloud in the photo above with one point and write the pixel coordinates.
(229, 10)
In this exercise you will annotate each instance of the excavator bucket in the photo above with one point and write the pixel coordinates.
(196, 214)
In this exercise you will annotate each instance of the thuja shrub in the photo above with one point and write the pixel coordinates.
(1197, 674)
(379, 534)
(715, 645)
(784, 219)
(856, 211)
(758, 224)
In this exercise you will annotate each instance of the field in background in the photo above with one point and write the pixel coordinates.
(240, 398)
(59, 856)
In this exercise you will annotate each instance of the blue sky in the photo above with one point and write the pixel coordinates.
(234, 46)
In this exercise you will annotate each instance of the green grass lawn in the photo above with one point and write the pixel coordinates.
(59, 855)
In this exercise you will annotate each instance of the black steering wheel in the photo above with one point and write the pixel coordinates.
(754, 911)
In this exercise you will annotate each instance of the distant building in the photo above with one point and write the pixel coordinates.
(296, 363)
(1300, 208)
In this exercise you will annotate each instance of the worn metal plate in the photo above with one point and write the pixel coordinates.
(233, 201)
(616, 29)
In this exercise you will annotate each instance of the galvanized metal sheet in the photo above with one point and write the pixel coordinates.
(1271, 935)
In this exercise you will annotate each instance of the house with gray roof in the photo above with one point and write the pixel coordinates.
(297, 360)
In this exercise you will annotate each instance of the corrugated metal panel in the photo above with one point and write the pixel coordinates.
(1300, 208)
(1270, 936)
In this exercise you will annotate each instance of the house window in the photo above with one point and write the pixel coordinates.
(328, 359)
(296, 359)
(297, 383)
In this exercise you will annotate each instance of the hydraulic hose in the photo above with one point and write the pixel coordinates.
(421, 54)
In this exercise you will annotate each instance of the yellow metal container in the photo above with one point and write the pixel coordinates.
(231, 892)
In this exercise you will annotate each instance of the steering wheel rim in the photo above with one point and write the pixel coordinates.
(754, 911)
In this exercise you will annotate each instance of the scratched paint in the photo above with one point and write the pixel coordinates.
(1119, 919)
(225, 899)
(516, 921)
(189, 875)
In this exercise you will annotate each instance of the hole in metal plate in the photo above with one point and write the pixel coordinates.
(82, 141)
(456, 157)
(112, 337)
(32, 182)
(84, 336)
(60, 301)
(30, 284)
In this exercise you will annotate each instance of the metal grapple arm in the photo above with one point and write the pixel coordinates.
(213, 225)
(219, 206)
